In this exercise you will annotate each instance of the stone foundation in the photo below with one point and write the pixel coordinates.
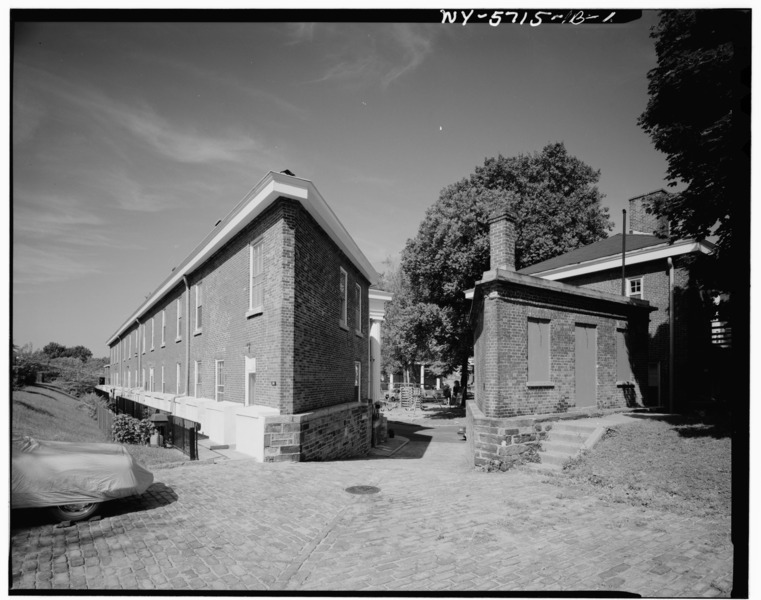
(508, 441)
(331, 433)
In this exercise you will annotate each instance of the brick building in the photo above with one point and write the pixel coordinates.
(658, 272)
(544, 347)
(262, 334)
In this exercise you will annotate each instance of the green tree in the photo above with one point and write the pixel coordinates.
(54, 350)
(698, 114)
(556, 204)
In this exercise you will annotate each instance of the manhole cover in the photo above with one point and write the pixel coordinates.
(362, 489)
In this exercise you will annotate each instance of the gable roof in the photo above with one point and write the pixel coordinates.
(607, 247)
(606, 254)
(271, 187)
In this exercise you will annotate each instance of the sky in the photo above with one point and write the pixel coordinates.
(131, 140)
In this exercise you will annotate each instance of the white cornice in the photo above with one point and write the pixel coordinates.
(632, 258)
(270, 188)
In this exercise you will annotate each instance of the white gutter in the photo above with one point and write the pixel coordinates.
(632, 258)
(269, 189)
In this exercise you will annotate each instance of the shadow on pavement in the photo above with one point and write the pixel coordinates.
(155, 496)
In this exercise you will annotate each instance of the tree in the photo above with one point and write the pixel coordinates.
(556, 204)
(54, 350)
(698, 115)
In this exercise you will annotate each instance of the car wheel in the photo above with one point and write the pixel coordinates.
(75, 512)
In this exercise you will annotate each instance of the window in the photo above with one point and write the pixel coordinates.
(163, 328)
(219, 381)
(199, 307)
(197, 381)
(129, 378)
(163, 380)
(143, 379)
(178, 377)
(153, 333)
(634, 288)
(358, 307)
(150, 379)
(256, 271)
(342, 291)
(623, 363)
(539, 351)
(136, 338)
(129, 347)
(178, 306)
(142, 333)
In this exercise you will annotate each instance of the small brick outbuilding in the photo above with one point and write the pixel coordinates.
(544, 347)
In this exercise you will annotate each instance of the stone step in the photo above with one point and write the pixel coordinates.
(574, 427)
(543, 467)
(555, 458)
(567, 437)
(561, 447)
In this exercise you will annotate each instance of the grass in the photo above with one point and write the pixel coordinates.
(45, 414)
(670, 463)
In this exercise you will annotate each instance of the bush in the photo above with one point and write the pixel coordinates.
(128, 430)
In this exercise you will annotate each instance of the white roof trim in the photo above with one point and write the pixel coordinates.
(270, 188)
(632, 258)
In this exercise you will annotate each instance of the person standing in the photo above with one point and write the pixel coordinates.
(456, 392)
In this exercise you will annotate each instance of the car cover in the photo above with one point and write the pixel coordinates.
(53, 473)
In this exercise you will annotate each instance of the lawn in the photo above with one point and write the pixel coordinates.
(670, 463)
(45, 414)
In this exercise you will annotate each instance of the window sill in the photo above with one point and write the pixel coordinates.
(624, 384)
(343, 326)
(198, 332)
(252, 312)
(539, 384)
(359, 334)
(177, 340)
(163, 344)
(152, 348)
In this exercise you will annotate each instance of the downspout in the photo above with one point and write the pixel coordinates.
(187, 334)
(139, 353)
(671, 334)
(623, 258)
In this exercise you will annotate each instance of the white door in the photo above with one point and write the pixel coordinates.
(250, 384)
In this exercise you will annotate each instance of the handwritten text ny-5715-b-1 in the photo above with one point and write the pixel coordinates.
(534, 18)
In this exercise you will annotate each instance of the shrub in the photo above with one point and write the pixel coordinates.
(128, 430)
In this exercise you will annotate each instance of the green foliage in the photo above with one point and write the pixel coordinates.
(55, 350)
(24, 371)
(556, 205)
(128, 430)
(705, 55)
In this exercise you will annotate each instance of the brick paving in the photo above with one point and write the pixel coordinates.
(435, 525)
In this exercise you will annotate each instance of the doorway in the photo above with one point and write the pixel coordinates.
(586, 365)
(250, 384)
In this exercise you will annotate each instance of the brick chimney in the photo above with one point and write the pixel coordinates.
(502, 238)
(642, 222)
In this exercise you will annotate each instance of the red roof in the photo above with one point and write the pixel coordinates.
(608, 247)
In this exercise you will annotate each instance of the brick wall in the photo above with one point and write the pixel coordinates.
(324, 352)
(501, 350)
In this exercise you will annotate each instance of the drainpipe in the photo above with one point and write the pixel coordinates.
(187, 334)
(671, 334)
(139, 353)
(623, 258)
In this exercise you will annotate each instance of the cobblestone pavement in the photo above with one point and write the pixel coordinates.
(435, 525)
